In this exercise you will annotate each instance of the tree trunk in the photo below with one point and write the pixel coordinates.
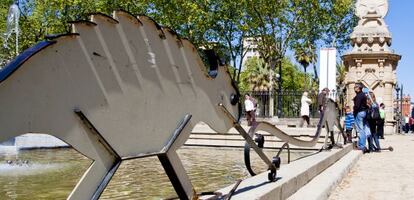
(305, 86)
(315, 71)
(271, 99)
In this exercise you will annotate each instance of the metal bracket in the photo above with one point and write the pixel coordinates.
(116, 159)
(172, 168)
(173, 176)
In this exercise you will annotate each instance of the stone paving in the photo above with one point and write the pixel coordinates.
(385, 175)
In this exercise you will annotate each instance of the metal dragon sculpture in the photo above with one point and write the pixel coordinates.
(119, 88)
(115, 88)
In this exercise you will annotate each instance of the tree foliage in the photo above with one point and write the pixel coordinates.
(277, 25)
(255, 77)
(40, 18)
(299, 25)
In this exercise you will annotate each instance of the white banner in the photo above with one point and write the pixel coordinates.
(327, 69)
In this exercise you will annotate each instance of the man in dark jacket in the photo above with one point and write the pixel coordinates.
(412, 117)
(322, 99)
(360, 108)
(412, 112)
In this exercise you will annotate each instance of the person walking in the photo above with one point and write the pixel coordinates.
(381, 122)
(322, 99)
(349, 123)
(412, 112)
(406, 123)
(250, 110)
(412, 117)
(360, 108)
(412, 125)
(372, 118)
(304, 109)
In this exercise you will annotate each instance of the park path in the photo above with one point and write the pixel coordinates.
(386, 175)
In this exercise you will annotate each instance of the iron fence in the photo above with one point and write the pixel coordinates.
(290, 103)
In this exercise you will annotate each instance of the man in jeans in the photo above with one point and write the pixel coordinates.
(360, 108)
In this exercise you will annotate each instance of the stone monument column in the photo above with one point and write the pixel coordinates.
(371, 61)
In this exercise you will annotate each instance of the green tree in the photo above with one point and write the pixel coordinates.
(230, 29)
(280, 25)
(40, 18)
(191, 19)
(256, 75)
(294, 78)
(305, 55)
(340, 76)
(205, 23)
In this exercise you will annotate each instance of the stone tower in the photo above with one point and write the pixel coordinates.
(372, 62)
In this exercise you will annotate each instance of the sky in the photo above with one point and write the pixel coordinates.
(399, 19)
(400, 23)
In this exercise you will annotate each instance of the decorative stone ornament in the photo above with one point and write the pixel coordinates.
(370, 40)
(382, 40)
(366, 8)
(359, 41)
(372, 33)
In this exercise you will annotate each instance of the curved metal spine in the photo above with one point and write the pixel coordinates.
(328, 119)
(286, 145)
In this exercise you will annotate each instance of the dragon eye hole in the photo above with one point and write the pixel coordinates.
(234, 99)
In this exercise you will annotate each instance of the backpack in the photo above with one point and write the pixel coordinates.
(373, 113)
(254, 103)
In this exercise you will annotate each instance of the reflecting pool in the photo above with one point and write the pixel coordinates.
(53, 173)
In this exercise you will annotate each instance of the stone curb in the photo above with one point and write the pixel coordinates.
(293, 177)
(322, 185)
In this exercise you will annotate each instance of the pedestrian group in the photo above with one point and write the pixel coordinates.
(369, 119)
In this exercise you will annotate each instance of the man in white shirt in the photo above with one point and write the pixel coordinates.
(250, 110)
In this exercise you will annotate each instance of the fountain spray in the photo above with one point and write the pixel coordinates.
(12, 25)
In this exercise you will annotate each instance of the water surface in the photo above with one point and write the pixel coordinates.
(53, 173)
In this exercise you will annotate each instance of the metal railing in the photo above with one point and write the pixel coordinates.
(291, 103)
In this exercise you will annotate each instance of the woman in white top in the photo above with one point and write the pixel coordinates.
(250, 110)
(304, 110)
